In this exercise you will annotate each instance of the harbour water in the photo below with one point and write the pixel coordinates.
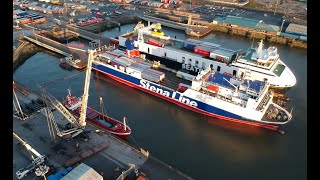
(199, 146)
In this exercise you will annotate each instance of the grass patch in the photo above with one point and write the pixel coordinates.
(254, 5)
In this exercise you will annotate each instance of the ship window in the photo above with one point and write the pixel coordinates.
(190, 61)
(211, 66)
(203, 65)
(197, 63)
(218, 68)
(234, 72)
(165, 54)
(148, 50)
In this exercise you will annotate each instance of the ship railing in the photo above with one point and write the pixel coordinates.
(263, 102)
(215, 95)
(279, 118)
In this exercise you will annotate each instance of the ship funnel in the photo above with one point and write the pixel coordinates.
(130, 49)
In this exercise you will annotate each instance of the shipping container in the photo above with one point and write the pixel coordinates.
(25, 21)
(166, 6)
(118, 65)
(141, 62)
(189, 45)
(185, 75)
(127, 59)
(122, 61)
(39, 20)
(99, 15)
(150, 77)
(139, 67)
(158, 73)
(149, 74)
(155, 43)
(201, 50)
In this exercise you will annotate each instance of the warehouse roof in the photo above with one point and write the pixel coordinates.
(297, 29)
(83, 172)
(18, 11)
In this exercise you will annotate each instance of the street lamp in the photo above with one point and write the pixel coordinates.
(275, 8)
(282, 25)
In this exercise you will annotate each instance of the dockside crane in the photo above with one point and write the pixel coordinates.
(78, 124)
(18, 113)
(37, 161)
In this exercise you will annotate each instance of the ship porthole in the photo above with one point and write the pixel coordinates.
(218, 68)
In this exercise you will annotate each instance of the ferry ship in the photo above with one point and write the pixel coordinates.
(195, 56)
(234, 98)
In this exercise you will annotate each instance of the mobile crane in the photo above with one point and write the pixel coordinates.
(78, 125)
(37, 162)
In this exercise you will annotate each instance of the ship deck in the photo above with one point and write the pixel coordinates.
(81, 64)
(178, 46)
(171, 80)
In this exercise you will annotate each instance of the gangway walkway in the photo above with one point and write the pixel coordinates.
(164, 22)
(88, 35)
(57, 47)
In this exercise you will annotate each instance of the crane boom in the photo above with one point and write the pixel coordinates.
(14, 93)
(36, 162)
(29, 148)
(84, 99)
(64, 111)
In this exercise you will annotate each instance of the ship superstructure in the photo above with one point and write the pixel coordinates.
(194, 56)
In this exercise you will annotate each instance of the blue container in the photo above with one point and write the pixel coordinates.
(22, 14)
(189, 45)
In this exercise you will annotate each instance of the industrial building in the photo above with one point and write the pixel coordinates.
(297, 29)
(82, 172)
(246, 23)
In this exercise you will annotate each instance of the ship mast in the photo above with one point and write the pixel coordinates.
(260, 48)
(83, 111)
(124, 123)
